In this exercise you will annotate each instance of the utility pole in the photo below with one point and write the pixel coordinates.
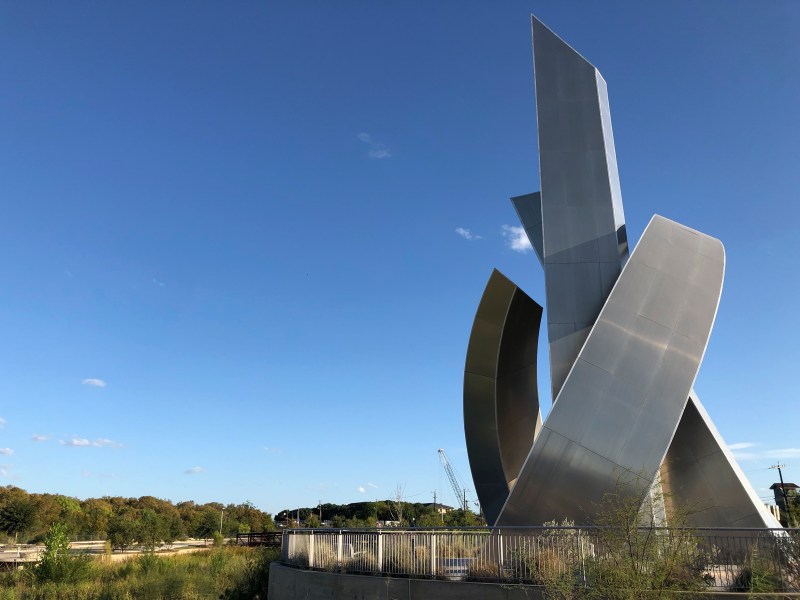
(320, 513)
(783, 491)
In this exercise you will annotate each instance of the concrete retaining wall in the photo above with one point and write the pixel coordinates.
(286, 583)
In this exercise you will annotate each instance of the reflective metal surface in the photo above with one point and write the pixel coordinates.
(583, 223)
(501, 405)
(614, 418)
(529, 212)
(701, 477)
(626, 338)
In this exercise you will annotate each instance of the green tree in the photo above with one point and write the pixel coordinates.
(791, 518)
(96, 515)
(122, 530)
(312, 521)
(17, 516)
(151, 528)
(461, 518)
(208, 524)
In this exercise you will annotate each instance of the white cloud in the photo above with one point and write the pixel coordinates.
(361, 489)
(195, 471)
(2, 422)
(467, 234)
(6, 451)
(37, 437)
(94, 382)
(273, 450)
(777, 454)
(741, 445)
(75, 442)
(373, 486)
(376, 149)
(516, 238)
(100, 442)
(80, 442)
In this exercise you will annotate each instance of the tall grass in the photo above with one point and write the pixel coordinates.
(229, 572)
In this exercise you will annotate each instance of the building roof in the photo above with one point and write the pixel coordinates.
(786, 486)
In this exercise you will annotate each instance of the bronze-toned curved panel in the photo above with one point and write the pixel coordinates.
(501, 405)
(621, 403)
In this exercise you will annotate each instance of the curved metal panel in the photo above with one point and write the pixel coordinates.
(700, 476)
(501, 406)
(621, 403)
(583, 224)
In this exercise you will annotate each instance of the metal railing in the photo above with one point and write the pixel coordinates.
(272, 539)
(715, 559)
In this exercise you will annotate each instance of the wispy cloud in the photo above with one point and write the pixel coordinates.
(373, 486)
(75, 442)
(158, 283)
(194, 471)
(106, 442)
(376, 149)
(516, 239)
(273, 450)
(94, 382)
(37, 437)
(2, 422)
(776, 454)
(741, 445)
(467, 234)
(79, 442)
(361, 489)
(6, 451)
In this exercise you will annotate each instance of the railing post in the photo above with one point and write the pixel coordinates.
(285, 546)
(380, 552)
(433, 554)
(500, 555)
(339, 550)
(311, 550)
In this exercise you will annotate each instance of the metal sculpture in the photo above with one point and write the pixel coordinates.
(626, 338)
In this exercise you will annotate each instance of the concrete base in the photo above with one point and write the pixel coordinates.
(286, 583)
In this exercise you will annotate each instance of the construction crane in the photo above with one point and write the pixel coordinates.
(461, 495)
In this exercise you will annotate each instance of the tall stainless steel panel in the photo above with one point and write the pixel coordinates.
(583, 224)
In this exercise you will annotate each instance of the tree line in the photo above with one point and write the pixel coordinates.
(149, 521)
(367, 514)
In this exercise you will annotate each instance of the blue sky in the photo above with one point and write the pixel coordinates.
(232, 267)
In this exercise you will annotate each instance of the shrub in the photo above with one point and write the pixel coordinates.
(57, 564)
